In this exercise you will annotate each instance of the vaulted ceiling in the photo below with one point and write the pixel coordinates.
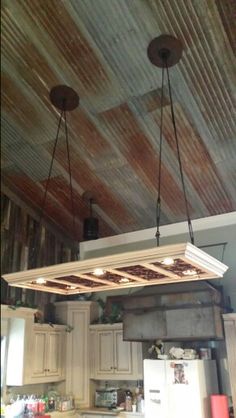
(99, 48)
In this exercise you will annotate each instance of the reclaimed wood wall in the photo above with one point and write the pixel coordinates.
(24, 245)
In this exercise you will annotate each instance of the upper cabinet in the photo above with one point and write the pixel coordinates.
(35, 351)
(47, 356)
(111, 357)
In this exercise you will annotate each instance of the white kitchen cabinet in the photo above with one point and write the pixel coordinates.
(19, 338)
(47, 354)
(78, 315)
(34, 351)
(111, 357)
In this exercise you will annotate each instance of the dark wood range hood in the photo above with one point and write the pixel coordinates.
(190, 311)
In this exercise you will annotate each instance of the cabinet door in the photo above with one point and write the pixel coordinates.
(53, 355)
(122, 354)
(111, 357)
(77, 379)
(105, 350)
(45, 358)
(39, 354)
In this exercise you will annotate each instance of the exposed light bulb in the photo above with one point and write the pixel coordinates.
(124, 280)
(168, 261)
(98, 272)
(189, 272)
(72, 287)
(40, 280)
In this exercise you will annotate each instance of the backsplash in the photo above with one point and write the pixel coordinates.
(39, 389)
(124, 384)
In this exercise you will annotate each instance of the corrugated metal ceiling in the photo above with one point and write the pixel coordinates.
(99, 48)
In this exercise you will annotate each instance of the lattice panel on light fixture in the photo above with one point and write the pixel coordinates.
(160, 265)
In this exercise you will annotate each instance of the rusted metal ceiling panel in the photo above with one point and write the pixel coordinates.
(23, 185)
(88, 180)
(208, 70)
(141, 156)
(227, 11)
(59, 189)
(197, 163)
(99, 48)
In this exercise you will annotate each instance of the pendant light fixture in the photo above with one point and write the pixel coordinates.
(91, 224)
(161, 265)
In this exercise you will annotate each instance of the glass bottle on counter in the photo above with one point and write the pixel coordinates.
(41, 405)
(51, 404)
(128, 401)
(45, 398)
(31, 406)
(139, 396)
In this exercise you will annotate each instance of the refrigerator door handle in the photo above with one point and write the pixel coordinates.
(155, 401)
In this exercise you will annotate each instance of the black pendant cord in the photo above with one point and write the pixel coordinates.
(91, 208)
(37, 241)
(158, 205)
(70, 177)
(179, 159)
(50, 169)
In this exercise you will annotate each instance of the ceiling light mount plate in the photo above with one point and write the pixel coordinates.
(64, 98)
(165, 51)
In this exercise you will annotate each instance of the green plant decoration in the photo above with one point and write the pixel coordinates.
(112, 317)
(69, 328)
(20, 304)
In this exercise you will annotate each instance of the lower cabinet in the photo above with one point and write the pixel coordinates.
(111, 357)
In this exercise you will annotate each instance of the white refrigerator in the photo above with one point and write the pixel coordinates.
(179, 388)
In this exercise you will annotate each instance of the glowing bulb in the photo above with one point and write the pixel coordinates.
(98, 272)
(189, 272)
(72, 287)
(40, 280)
(124, 280)
(168, 261)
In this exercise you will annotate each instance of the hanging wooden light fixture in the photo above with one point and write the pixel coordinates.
(160, 265)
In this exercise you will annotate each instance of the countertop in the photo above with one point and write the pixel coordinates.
(58, 414)
(93, 410)
(102, 411)
(108, 412)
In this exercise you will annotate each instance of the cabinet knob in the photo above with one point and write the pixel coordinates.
(115, 368)
(111, 367)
